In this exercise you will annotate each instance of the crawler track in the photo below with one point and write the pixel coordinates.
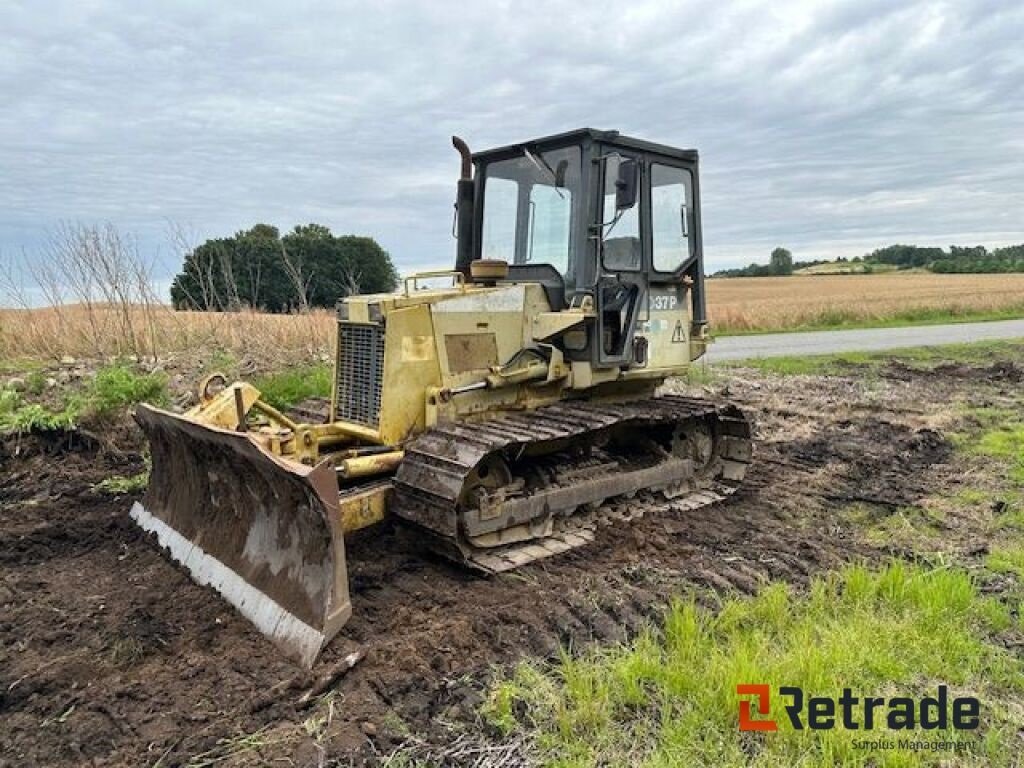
(500, 493)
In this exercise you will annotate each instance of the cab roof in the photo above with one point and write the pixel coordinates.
(580, 135)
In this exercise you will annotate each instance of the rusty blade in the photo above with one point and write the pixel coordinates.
(264, 532)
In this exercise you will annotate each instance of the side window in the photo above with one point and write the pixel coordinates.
(671, 212)
(501, 198)
(548, 236)
(621, 249)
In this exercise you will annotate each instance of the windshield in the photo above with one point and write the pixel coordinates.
(530, 206)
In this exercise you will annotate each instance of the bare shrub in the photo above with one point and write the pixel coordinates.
(99, 300)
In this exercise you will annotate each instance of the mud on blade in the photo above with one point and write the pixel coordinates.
(264, 532)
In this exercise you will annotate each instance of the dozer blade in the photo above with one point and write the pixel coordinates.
(264, 532)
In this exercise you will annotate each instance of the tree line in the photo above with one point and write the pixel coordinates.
(780, 263)
(971, 259)
(957, 259)
(259, 268)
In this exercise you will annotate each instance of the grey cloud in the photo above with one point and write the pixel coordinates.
(827, 127)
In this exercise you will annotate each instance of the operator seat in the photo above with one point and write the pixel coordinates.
(622, 253)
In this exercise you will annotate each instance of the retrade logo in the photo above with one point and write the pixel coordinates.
(747, 723)
(850, 712)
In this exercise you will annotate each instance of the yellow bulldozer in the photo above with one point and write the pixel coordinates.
(501, 411)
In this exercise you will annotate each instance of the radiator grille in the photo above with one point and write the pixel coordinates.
(360, 373)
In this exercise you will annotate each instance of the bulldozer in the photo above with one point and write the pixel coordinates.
(501, 412)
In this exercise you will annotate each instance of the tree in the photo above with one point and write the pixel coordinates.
(308, 267)
(781, 262)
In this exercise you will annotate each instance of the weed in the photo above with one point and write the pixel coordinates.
(35, 383)
(242, 745)
(283, 390)
(118, 386)
(669, 697)
(115, 388)
(126, 651)
(702, 375)
(318, 724)
(18, 416)
(119, 485)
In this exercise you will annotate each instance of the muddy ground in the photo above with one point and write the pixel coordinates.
(109, 655)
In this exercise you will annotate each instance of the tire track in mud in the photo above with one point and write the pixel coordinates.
(98, 623)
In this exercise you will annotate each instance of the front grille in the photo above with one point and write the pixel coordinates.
(360, 371)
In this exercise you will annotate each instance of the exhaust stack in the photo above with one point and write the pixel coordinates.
(464, 204)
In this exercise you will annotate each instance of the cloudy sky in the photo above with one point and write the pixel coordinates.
(827, 127)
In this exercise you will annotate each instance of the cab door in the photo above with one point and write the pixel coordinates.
(621, 290)
(672, 221)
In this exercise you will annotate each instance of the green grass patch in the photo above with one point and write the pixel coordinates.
(1007, 556)
(119, 485)
(978, 353)
(115, 388)
(998, 434)
(669, 697)
(1006, 442)
(283, 390)
(18, 416)
(839, 319)
(916, 528)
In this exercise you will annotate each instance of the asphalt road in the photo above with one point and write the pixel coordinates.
(867, 340)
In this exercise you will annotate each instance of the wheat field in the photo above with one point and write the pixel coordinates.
(780, 303)
(734, 305)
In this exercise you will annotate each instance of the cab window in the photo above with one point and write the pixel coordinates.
(621, 249)
(671, 216)
(530, 205)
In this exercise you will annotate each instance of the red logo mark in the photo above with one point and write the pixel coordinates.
(761, 691)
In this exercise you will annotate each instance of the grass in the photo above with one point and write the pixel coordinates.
(977, 353)
(1007, 557)
(247, 748)
(291, 387)
(997, 433)
(18, 416)
(156, 330)
(668, 698)
(914, 528)
(115, 388)
(120, 485)
(1006, 442)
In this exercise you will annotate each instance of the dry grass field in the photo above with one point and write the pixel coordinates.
(158, 331)
(736, 305)
(746, 304)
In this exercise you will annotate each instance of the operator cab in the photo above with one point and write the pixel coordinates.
(592, 214)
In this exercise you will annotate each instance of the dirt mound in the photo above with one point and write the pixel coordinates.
(112, 656)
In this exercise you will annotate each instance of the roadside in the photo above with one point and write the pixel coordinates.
(803, 343)
(907, 319)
